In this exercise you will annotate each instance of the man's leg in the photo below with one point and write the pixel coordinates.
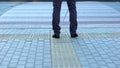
(56, 16)
(73, 16)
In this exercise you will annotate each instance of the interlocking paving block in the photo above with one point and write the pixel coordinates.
(25, 51)
(63, 54)
(97, 50)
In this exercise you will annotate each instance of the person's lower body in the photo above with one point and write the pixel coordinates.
(56, 17)
(73, 16)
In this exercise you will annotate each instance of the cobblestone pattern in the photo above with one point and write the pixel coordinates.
(98, 52)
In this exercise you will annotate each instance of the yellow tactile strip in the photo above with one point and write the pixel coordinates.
(99, 35)
(63, 54)
(24, 36)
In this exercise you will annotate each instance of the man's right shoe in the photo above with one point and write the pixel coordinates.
(74, 35)
(56, 36)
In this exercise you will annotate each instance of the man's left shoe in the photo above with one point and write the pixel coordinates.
(74, 35)
(56, 36)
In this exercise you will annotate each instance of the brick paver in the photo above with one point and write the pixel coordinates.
(25, 52)
(97, 52)
(86, 51)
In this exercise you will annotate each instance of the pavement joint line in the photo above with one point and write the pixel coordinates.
(60, 47)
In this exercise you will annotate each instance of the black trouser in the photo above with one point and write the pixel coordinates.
(56, 16)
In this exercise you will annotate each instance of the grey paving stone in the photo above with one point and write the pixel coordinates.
(5, 63)
(86, 66)
(111, 65)
(39, 62)
(12, 65)
(98, 58)
(108, 60)
(47, 64)
(23, 58)
(3, 66)
(14, 60)
(46, 67)
(38, 66)
(30, 60)
(94, 65)
(20, 66)
(7, 59)
(30, 65)
(104, 66)
(84, 63)
(101, 56)
(22, 62)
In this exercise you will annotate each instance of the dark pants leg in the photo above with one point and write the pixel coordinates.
(73, 16)
(56, 16)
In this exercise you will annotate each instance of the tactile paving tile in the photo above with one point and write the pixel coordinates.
(24, 36)
(63, 54)
(64, 39)
(99, 35)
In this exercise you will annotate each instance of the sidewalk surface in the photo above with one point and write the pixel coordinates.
(26, 42)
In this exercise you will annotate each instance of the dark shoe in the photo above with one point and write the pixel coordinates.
(74, 35)
(56, 36)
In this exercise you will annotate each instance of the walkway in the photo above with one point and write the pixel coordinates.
(26, 42)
